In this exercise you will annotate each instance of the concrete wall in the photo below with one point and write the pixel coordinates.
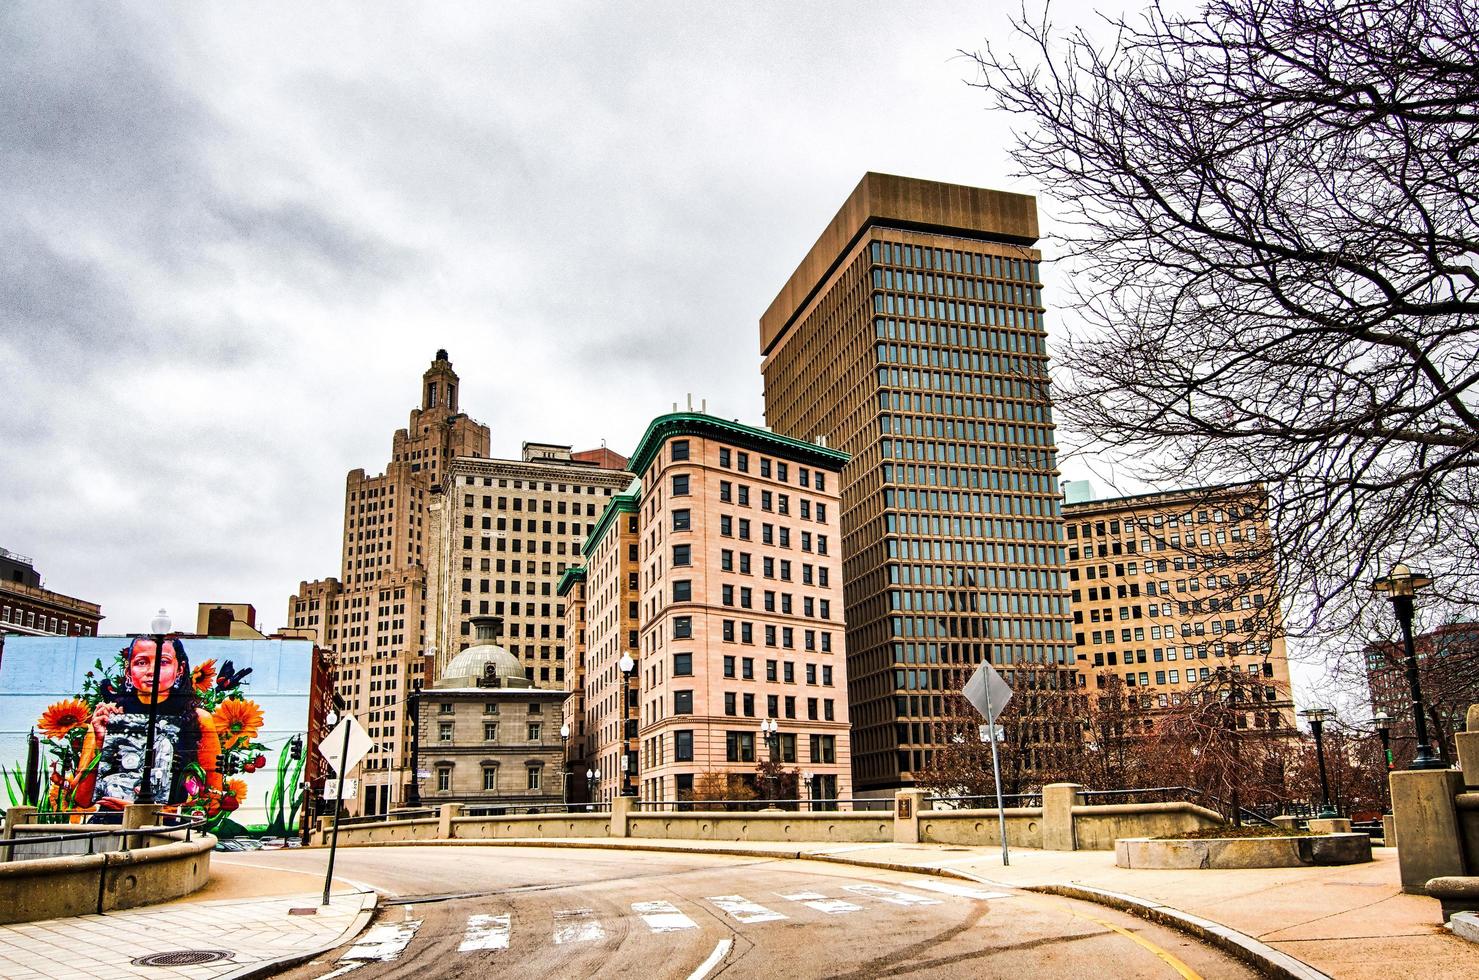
(1096, 828)
(982, 827)
(818, 827)
(48, 888)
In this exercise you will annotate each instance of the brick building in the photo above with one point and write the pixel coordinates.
(612, 626)
(28, 608)
(1448, 671)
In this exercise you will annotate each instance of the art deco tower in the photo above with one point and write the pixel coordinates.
(911, 337)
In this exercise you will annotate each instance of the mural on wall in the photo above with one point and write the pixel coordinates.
(230, 725)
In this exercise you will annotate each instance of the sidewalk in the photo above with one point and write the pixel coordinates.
(1351, 922)
(246, 912)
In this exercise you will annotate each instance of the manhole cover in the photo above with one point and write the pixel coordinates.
(184, 957)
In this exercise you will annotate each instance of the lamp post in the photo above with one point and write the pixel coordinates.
(590, 790)
(565, 765)
(627, 665)
(413, 795)
(1401, 587)
(1383, 723)
(770, 730)
(1316, 717)
(158, 626)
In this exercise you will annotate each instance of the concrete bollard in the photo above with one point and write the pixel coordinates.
(1286, 822)
(622, 807)
(14, 817)
(1330, 825)
(135, 816)
(1058, 801)
(907, 805)
(1388, 830)
(1467, 746)
(1424, 810)
(446, 813)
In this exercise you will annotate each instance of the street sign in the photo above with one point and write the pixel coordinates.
(987, 691)
(351, 789)
(332, 747)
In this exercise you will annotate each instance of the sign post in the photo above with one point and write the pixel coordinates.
(354, 745)
(989, 693)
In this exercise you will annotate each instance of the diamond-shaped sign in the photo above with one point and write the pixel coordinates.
(988, 691)
(332, 747)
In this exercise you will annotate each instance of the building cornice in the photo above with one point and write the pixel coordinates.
(698, 424)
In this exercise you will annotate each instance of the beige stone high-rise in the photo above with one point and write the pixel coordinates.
(911, 337)
(373, 614)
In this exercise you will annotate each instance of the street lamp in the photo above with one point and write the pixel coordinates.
(627, 665)
(770, 730)
(590, 789)
(565, 765)
(413, 797)
(1316, 717)
(1401, 587)
(1383, 723)
(158, 626)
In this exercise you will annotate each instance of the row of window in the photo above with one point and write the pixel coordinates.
(53, 624)
(946, 260)
(534, 777)
(739, 460)
(779, 503)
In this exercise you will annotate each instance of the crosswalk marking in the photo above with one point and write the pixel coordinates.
(485, 932)
(577, 926)
(741, 909)
(951, 888)
(831, 906)
(890, 896)
(663, 916)
(383, 942)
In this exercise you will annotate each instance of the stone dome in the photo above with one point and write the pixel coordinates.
(477, 665)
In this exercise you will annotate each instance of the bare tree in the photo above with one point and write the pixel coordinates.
(1269, 211)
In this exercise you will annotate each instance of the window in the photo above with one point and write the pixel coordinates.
(534, 781)
(823, 748)
(682, 627)
(444, 779)
(683, 746)
(680, 450)
(726, 560)
(681, 520)
(729, 665)
(683, 665)
(446, 708)
(534, 730)
(490, 779)
(739, 746)
(682, 555)
(724, 458)
(683, 590)
(729, 703)
(683, 702)
(444, 732)
(680, 485)
(726, 491)
(747, 668)
(742, 462)
(490, 731)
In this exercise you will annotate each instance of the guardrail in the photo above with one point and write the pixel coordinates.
(170, 826)
(840, 805)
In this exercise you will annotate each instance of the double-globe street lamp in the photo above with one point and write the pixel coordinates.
(1316, 717)
(159, 626)
(628, 756)
(1401, 587)
(770, 730)
(590, 789)
(565, 765)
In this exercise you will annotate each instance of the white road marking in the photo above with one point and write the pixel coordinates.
(485, 932)
(350, 968)
(831, 906)
(577, 926)
(741, 909)
(663, 916)
(950, 888)
(715, 958)
(889, 895)
(383, 942)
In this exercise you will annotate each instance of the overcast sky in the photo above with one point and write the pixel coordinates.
(233, 236)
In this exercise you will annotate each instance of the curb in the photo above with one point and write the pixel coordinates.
(1258, 955)
(1465, 925)
(267, 968)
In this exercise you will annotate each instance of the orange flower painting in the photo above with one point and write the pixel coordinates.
(237, 722)
(59, 719)
(204, 677)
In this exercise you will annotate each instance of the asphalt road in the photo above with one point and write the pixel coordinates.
(502, 911)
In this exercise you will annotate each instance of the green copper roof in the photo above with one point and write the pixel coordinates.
(622, 503)
(573, 574)
(664, 427)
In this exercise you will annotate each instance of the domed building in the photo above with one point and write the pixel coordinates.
(487, 736)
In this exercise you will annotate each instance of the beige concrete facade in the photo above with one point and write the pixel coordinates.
(1167, 588)
(740, 608)
(373, 614)
(491, 746)
(503, 532)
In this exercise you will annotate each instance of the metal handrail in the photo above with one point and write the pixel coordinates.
(1022, 799)
(193, 822)
(829, 805)
(1194, 794)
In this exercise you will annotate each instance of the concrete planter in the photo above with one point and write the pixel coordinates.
(1242, 852)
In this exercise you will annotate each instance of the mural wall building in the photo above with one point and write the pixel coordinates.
(911, 337)
(373, 615)
(28, 608)
(1168, 588)
(502, 533)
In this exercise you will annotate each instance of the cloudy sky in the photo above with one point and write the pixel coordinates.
(232, 237)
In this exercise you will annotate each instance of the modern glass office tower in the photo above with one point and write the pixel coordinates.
(911, 337)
